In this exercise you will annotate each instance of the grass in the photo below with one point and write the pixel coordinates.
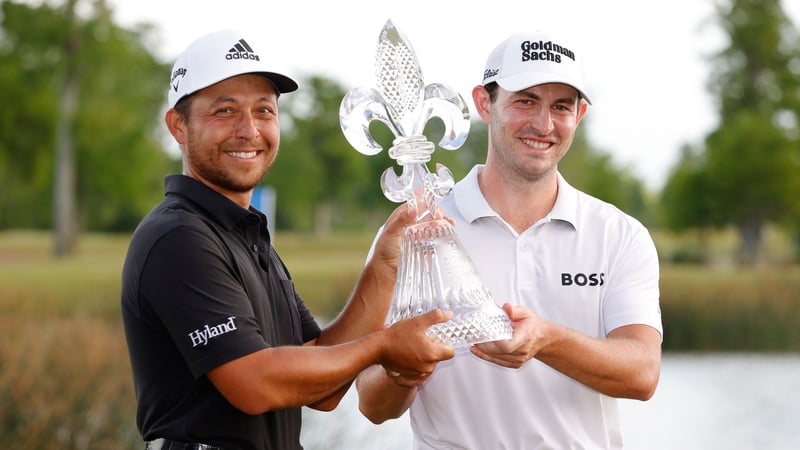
(731, 309)
(32, 281)
(324, 270)
(64, 375)
(64, 372)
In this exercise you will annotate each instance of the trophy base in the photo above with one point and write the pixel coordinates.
(435, 271)
(485, 324)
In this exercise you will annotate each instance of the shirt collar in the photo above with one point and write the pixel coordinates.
(566, 206)
(473, 205)
(221, 208)
(469, 199)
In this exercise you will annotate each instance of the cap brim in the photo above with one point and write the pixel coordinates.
(282, 83)
(519, 82)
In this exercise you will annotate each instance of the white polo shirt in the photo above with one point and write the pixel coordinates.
(587, 266)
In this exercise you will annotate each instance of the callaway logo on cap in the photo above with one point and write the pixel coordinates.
(220, 55)
(529, 59)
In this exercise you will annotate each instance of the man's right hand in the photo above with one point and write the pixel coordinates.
(409, 354)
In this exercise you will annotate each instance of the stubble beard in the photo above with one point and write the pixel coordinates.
(518, 166)
(211, 171)
(230, 181)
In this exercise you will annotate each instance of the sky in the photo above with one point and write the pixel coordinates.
(645, 62)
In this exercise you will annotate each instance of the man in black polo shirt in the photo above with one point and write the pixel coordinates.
(223, 350)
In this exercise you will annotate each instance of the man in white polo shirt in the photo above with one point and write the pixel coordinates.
(582, 276)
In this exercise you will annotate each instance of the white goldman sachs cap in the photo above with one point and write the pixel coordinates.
(529, 59)
(220, 55)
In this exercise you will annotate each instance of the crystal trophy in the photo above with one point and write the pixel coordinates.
(434, 270)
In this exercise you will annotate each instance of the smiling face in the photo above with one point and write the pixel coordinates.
(530, 130)
(230, 136)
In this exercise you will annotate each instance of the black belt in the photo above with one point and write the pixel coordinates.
(168, 444)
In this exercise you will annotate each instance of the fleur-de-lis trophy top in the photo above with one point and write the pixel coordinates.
(405, 104)
(434, 270)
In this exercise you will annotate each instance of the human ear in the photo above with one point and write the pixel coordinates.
(480, 96)
(176, 125)
(583, 106)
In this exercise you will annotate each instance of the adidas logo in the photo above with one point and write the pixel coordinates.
(242, 50)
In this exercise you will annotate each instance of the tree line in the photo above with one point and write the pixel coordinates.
(82, 145)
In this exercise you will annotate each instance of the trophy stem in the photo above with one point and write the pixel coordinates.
(416, 184)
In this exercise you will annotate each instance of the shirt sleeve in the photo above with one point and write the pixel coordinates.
(633, 295)
(192, 289)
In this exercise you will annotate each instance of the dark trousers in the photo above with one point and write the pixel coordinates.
(167, 444)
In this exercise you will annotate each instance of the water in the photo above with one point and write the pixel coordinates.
(703, 402)
(740, 401)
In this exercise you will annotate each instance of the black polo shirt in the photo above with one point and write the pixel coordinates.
(201, 286)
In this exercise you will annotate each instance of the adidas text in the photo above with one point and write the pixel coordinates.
(242, 55)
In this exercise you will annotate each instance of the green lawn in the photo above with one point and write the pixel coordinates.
(65, 377)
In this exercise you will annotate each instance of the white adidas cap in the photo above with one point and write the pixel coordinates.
(529, 59)
(220, 55)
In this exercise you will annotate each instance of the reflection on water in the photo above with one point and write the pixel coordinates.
(703, 402)
(720, 401)
(346, 429)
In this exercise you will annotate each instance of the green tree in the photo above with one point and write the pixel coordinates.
(753, 158)
(322, 182)
(752, 170)
(685, 205)
(746, 175)
(89, 91)
(594, 171)
(319, 178)
(27, 120)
